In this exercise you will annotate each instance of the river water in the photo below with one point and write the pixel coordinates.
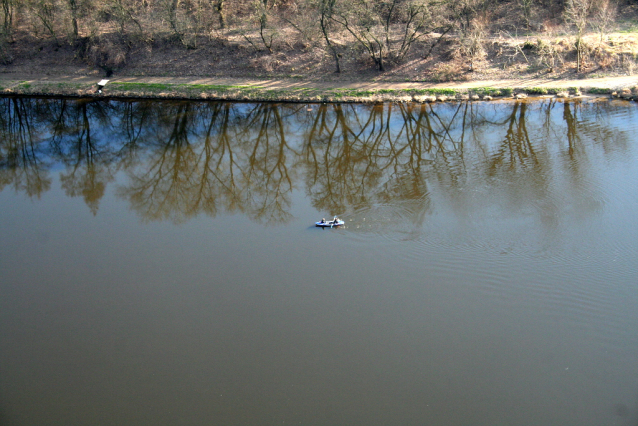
(159, 263)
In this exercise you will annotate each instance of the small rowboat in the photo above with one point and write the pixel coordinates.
(330, 224)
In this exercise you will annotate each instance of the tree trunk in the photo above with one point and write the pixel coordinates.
(219, 8)
(578, 55)
(326, 11)
(73, 5)
(7, 9)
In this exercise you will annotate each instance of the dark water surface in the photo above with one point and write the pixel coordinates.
(158, 264)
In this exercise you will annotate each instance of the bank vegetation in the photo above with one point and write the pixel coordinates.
(414, 40)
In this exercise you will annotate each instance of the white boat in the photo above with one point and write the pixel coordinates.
(330, 224)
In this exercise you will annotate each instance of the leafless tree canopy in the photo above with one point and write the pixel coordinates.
(382, 32)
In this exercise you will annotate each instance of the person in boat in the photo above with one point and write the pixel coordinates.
(335, 220)
(323, 220)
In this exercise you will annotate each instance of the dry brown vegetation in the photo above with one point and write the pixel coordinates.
(401, 40)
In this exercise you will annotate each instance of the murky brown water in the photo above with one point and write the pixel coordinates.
(158, 264)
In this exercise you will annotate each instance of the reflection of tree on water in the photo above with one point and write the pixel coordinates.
(516, 148)
(217, 183)
(85, 152)
(588, 134)
(213, 155)
(517, 160)
(268, 179)
(136, 122)
(164, 187)
(337, 159)
(357, 156)
(522, 166)
(184, 159)
(22, 162)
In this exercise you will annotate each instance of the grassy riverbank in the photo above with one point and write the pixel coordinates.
(308, 91)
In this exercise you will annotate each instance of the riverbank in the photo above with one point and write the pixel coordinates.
(309, 90)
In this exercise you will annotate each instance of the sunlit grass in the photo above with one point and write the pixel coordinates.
(599, 90)
(493, 91)
(296, 94)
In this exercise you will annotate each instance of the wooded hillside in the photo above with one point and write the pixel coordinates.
(439, 38)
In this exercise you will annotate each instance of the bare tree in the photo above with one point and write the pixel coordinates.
(604, 15)
(171, 7)
(374, 24)
(218, 7)
(47, 13)
(125, 14)
(326, 9)
(364, 23)
(261, 15)
(418, 19)
(73, 8)
(182, 20)
(526, 9)
(8, 9)
(471, 18)
(576, 14)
